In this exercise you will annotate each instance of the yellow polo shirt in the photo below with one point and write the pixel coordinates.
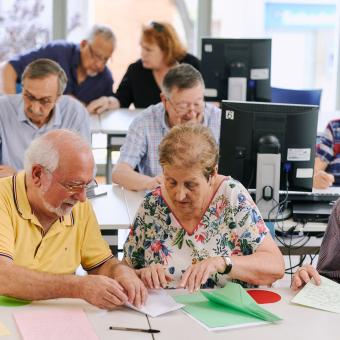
(72, 240)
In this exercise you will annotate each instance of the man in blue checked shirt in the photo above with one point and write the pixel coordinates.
(182, 101)
(327, 161)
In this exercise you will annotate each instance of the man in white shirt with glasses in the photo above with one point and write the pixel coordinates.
(40, 107)
(182, 101)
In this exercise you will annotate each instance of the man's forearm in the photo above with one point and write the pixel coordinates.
(107, 268)
(130, 179)
(9, 79)
(27, 284)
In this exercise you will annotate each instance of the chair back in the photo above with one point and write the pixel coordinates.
(288, 96)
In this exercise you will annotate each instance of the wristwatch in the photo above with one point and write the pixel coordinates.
(228, 263)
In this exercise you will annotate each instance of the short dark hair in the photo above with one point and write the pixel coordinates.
(42, 68)
(182, 76)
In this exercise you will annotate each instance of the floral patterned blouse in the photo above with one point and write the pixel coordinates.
(231, 225)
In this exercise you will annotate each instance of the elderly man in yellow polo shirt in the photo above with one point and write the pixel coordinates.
(48, 228)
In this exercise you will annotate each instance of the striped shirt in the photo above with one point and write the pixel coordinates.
(145, 133)
(328, 149)
(329, 256)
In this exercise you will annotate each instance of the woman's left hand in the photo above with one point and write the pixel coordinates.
(198, 274)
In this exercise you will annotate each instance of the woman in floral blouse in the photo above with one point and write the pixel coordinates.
(199, 228)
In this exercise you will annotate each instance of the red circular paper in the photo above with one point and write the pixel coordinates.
(264, 296)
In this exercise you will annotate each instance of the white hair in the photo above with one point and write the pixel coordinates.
(102, 30)
(45, 150)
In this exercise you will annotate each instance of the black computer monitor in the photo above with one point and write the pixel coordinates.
(295, 127)
(243, 58)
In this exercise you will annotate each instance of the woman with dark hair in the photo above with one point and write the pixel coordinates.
(161, 49)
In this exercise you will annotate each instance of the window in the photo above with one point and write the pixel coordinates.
(303, 36)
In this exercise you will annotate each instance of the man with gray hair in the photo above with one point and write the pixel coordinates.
(84, 64)
(48, 228)
(182, 101)
(41, 107)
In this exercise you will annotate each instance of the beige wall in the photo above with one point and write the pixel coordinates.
(126, 18)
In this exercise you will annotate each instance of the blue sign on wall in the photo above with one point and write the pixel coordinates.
(299, 16)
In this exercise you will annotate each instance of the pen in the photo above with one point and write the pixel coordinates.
(134, 329)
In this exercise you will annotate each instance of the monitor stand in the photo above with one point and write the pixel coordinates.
(268, 185)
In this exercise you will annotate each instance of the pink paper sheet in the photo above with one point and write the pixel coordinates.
(54, 324)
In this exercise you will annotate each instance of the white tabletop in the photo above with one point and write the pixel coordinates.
(95, 124)
(117, 121)
(117, 209)
(299, 322)
(100, 320)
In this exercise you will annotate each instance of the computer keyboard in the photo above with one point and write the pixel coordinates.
(328, 195)
(314, 197)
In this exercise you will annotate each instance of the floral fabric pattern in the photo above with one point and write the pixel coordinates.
(231, 225)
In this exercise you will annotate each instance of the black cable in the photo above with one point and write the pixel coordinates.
(290, 258)
(289, 270)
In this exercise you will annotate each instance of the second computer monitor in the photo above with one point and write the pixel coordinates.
(236, 69)
(245, 124)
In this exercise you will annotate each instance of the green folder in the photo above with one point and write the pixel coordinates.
(227, 307)
(12, 302)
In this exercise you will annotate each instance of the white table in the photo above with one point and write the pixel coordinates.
(117, 122)
(95, 123)
(299, 323)
(100, 320)
(115, 125)
(115, 211)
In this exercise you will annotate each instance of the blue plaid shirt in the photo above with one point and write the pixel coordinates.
(140, 148)
(328, 149)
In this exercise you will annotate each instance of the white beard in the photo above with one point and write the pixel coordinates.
(91, 74)
(59, 211)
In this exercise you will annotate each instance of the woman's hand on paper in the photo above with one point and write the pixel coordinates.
(303, 275)
(198, 273)
(154, 276)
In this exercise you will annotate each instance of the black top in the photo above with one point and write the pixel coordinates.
(139, 86)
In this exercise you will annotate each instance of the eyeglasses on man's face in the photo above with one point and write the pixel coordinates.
(45, 101)
(97, 57)
(76, 188)
(184, 107)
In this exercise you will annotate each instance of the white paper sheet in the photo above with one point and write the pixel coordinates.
(325, 297)
(158, 303)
